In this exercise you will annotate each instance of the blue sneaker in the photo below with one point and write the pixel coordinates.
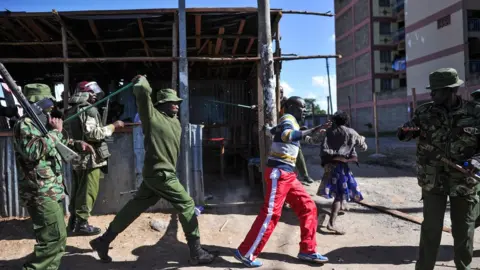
(315, 257)
(245, 261)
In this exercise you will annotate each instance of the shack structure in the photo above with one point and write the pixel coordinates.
(220, 85)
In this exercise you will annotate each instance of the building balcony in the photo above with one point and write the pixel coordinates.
(474, 25)
(474, 72)
(399, 36)
(399, 10)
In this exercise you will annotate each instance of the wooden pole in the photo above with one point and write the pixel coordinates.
(175, 51)
(398, 214)
(155, 59)
(183, 90)
(414, 99)
(278, 53)
(66, 75)
(350, 111)
(328, 106)
(375, 120)
(265, 74)
(329, 88)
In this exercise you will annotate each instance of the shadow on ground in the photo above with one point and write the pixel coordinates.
(167, 253)
(394, 255)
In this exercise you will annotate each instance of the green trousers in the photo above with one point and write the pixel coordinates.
(463, 212)
(50, 234)
(168, 187)
(301, 164)
(84, 192)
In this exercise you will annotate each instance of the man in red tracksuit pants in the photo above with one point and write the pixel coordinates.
(282, 185)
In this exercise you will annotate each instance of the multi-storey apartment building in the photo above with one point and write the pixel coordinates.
(443, 34)
(370, 35)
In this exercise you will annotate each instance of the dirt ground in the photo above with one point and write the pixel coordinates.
(373, 241)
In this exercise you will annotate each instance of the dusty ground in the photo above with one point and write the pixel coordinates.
(374, 240)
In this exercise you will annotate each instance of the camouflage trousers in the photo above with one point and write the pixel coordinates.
(463, 213)
(50, 234)
(166, 186)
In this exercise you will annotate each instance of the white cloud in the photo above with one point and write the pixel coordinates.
(332, 38)
(321, 84)
(287, 89)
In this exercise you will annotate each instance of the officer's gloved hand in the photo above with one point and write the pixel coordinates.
(406, 131)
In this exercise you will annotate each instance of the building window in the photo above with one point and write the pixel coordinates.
(385, 57)
(384, 3)
(385, 28)
(386, 84)
(442, 22)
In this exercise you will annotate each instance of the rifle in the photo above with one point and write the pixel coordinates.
(432, 149)
(35, 113)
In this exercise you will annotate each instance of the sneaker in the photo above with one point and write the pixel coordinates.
(314, 257)
(247, 262)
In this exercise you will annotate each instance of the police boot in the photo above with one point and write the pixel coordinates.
(102, 244)
(83, 228)
(199, 255)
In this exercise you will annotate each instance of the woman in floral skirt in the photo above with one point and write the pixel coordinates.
(337, 150)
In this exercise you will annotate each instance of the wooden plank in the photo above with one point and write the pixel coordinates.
(94, 29)
(219, 44)
(249, 47)
(203, 46)
(239, 32)
(198, 30)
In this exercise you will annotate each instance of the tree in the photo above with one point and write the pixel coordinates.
(308, 104)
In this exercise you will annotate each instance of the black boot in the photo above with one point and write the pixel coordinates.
(102, 244)
(83, 228)
(199, 255)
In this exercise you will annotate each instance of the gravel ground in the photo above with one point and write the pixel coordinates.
(373, 241)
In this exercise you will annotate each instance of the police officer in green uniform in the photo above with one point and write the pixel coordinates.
(162, 132)
(40, 179)
(446, 127)
(86, 170)
(476, 97)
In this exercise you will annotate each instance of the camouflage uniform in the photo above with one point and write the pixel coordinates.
(476, 97)
(451, 133)
(41, 186)
(86, 171)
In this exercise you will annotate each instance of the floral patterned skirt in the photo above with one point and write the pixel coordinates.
(338, 182)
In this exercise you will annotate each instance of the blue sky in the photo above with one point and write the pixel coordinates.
(301, 34)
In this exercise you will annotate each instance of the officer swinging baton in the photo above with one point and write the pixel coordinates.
(35, 113)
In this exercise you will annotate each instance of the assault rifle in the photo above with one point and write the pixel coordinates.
(438, 155)
(35, 113)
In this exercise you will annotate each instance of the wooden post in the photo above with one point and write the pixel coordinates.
(266, 79)
(350, 111)
(329, 88)
(328, 106)
(66, 75)
(183, 93)
(414, 99)
(175, 51)
(375, 120)
(278, 53)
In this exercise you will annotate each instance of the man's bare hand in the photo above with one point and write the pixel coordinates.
(118, 124)
(56, 123)
(87, 147)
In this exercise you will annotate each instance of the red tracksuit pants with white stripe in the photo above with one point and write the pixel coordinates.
(282, 186)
